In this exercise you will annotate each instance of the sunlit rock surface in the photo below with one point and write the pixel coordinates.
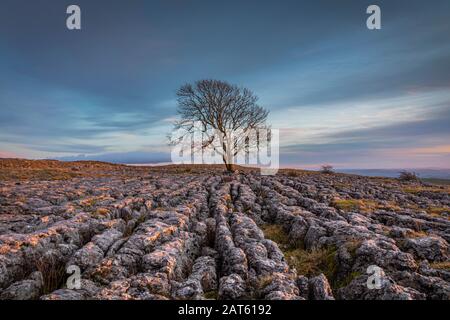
(200, 233)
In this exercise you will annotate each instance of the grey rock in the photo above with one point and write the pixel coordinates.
(319, 288)
(432, 248)
(389, 290)
(303, 286)
(24, 290)
(232, 287)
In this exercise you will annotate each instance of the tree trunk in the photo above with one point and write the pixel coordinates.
(230, 167)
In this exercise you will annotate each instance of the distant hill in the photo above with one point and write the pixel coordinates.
(136, 157)
(23, 169)
(394, 173)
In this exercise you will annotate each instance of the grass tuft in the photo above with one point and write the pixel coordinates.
(438, 211)
(211, 295)
(359, 205)
(53, 273)
(306, 262)
(441, 265)
(313, 262)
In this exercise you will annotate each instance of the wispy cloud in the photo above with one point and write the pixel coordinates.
(339, 94)
(434, 150)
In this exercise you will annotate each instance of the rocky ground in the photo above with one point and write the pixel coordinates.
(199, 233)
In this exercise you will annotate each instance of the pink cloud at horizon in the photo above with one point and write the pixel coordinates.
(7, 154)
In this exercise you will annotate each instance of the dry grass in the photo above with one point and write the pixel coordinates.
(392, 206)
(53, 273)
(306, 262)
(341, 185)
(297, 172)
(416, 234)
(363, 205)
(89, 202)
(441, 265)
(37, 174)
(100, 212)
(312, 262)
(264, 281)
(352, 245)
(211, 295)
(358, 205)
(346, 281)
(293, 173)
(438, 211)
(417, 189)
(48, 170)
(183, 170)
(444, 182)
(275, 233)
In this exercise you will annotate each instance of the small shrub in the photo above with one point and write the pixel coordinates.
(327, 169)
(408, 176)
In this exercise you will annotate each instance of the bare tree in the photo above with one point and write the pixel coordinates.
(224, 114)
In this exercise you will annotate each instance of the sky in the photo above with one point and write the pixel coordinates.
(338, 92)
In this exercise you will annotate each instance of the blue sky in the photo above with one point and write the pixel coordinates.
(338, 92)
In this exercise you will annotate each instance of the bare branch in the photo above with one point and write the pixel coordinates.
(222, 110)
